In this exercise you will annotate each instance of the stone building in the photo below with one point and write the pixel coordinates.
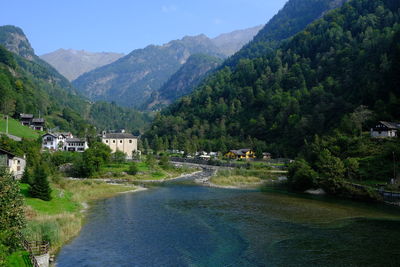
(124, 142)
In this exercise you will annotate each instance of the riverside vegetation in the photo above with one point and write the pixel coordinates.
(53, 204)
(311, 96)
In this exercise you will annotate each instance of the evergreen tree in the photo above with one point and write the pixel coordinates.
(27, 176)
(40, 187)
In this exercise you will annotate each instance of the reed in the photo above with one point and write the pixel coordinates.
(54, 220)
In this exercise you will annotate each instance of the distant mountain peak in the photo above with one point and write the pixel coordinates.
(73, 63)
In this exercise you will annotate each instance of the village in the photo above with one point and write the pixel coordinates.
(126, 143)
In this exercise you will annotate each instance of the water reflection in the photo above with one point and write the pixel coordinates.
(183, 225)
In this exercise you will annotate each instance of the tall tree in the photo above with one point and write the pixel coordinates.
(40, 187)
(12, 218)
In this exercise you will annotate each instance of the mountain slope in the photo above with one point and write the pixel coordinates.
(292, 18)
(14, 40)
(183, 81)
(73, 63)
(306, 87)
(229, 43)
(30, 85)
(131, 80)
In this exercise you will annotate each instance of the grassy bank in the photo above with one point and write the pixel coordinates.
(244, 177)
(145, 172)
(17, 129)
(60, 219)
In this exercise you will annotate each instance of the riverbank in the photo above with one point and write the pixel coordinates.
(61, 219)
(242, 178)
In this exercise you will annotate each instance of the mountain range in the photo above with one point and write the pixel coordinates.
(306, 85)
(30, 85)
(73, 63)
(132, 79)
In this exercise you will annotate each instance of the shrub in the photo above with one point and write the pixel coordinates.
(164, 162)
(118, 157)
(133, 168)
(301, 176)
(11, 214)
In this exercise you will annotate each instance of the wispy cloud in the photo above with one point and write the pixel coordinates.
(169, 8)
(218, 21)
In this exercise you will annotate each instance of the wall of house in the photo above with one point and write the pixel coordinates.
(125, 145)
(377, 134)
(17, 166)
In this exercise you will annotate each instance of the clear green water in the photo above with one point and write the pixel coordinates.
(186, 225)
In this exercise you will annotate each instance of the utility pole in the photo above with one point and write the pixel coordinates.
(394, 167)
(6, 124)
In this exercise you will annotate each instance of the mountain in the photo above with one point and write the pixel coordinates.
(305, 87)
(14, 40)
(30, 85)
(230, 43)
(183, 81)
(73, 63)
(131, 80)
(292, 18)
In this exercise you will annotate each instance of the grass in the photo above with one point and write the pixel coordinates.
(61, 201)
(242, 177)
(60, 219)
(17, 129)
(20, 259)
(145, 172)
(235, 180)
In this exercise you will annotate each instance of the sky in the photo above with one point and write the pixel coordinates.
(124, 25)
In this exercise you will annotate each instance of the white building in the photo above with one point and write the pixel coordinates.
(385, 129)
(75, 144)
(63, 141)
(124, 142)
(16, 165)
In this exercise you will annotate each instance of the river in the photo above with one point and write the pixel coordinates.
(183, 224)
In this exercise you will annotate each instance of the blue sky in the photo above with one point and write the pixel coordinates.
(124, 25)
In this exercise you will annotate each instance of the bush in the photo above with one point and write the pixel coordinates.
(164, 162)
(133, 168)
(301, 176)
(118, 157)
(150, 160)
(11, 214)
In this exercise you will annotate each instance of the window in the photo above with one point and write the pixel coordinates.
(114, 141)
(130, 141)
(106, 141)
(120, 141)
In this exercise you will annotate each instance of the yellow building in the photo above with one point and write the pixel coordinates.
(124, 142)
(244, 153)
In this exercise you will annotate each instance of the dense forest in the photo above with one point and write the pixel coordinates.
(184, 81)
(281, 100)
(294, 17)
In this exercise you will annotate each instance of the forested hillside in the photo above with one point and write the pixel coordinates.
(30, 85)
(183, 81)
(293, 17)
(278, 102)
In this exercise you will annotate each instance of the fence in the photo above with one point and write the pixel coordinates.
(389, 196)
(35, 248)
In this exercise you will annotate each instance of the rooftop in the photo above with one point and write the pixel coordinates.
(25, 116)
(119, 136)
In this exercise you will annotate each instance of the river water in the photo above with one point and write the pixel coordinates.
(182, 224)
